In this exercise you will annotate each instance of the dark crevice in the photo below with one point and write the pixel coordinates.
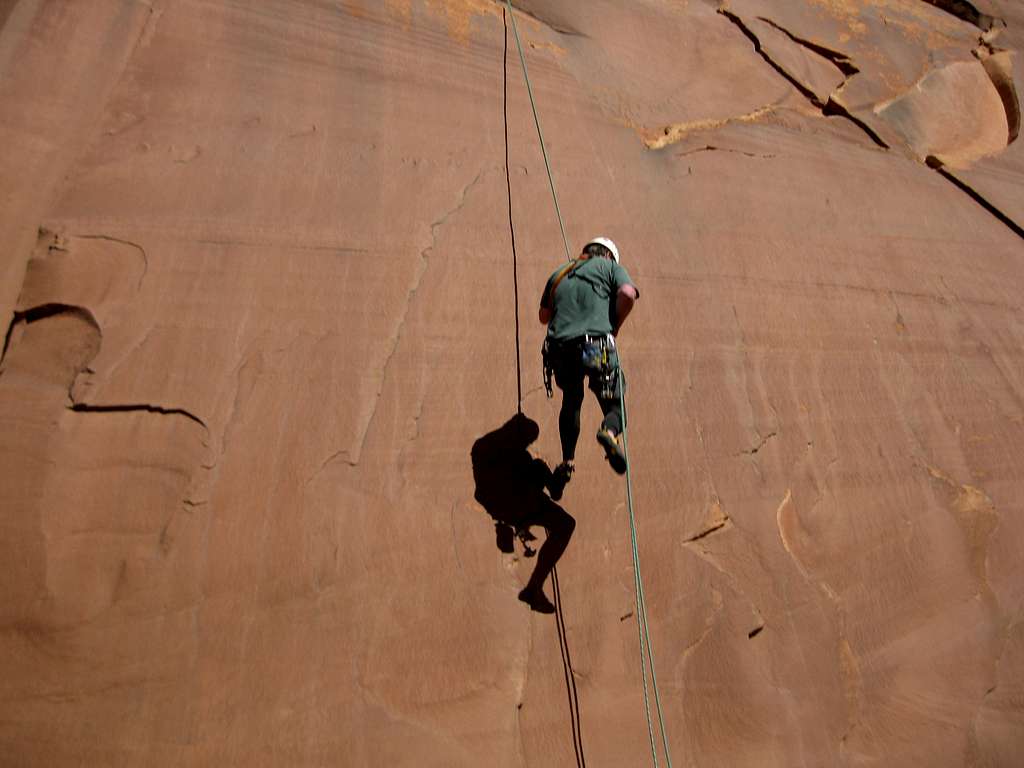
(713, 148)
(999, 69)
(834, 108)
(840, 60)
(707, 532)
(965, 11)
(755, 632)
(756, 42)
(45, 311)
(342, 455)
(829, 108)
(42, 312)
(936, 164)
(761, 444)
(142, 407)
(7, 338)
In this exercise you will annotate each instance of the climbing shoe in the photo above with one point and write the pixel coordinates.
(560, 478)
(613, 450)
(537, 600)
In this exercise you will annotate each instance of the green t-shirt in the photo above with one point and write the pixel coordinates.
(584, 301)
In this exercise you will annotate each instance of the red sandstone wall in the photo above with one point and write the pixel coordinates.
(257, 272)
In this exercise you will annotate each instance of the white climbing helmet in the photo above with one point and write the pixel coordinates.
(607, 243)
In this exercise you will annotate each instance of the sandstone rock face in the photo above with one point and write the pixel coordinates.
(261, 305)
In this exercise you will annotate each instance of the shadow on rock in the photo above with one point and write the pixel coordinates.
(511, 485)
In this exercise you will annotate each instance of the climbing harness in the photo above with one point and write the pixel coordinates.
(646, 649)
(601, 360)
(597, 355)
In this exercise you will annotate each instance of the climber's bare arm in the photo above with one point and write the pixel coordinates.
(624, 301)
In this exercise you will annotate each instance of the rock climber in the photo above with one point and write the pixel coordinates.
(584, 304)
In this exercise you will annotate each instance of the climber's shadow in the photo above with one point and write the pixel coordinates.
(510, 485)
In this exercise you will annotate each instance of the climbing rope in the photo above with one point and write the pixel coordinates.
(570, 678)
(540, 135)
(563, 640)
(511, 226)
(646, 648)
(641, 603)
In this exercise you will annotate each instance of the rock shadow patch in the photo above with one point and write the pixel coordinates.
(512, 486)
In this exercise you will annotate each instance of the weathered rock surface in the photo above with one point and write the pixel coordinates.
(259, 285)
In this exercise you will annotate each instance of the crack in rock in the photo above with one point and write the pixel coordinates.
(761, 444)
(934, 163)
(708, 531)
(718, 519)
(42, 312)
(676, 132)
(965, 11)
(759, 622)
(343, 455)
(830, 107)
(996, 69)
(842, 62)
(787, 544)
(756, 42)
(998, 65)
(121, 241)
(140, 407)
(710, 622)
(46, 311)
(713, 148)
(410, 297)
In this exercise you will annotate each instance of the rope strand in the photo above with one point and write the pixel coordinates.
(563, 640)
(540, 135)
(643, 628)
(511, 227)
(646, 649)
(570, 678)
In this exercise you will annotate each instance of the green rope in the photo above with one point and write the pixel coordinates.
(641, 603)
(536, 119)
